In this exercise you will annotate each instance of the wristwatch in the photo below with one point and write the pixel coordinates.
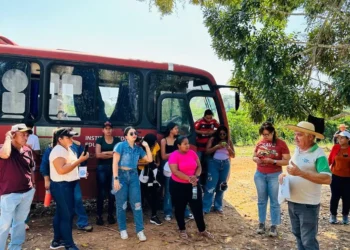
(116, 178)
(274, 162)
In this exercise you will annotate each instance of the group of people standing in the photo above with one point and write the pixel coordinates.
(307, 169)
(133, 171)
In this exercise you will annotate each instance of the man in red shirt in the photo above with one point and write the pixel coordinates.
(205, 128)
(16, 163)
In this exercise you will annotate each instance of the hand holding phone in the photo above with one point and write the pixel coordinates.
(86, 149)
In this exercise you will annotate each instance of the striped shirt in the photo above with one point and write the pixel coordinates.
(205, 126)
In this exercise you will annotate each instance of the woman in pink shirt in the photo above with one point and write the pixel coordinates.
(186, 169)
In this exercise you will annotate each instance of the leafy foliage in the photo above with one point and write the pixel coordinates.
(282, 75)
(244, 132)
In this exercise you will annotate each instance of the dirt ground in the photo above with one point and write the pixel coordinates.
(234, 230)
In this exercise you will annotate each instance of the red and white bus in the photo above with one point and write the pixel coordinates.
(58, 88)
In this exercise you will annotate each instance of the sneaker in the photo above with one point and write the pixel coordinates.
(141, 236)
(345, 219)
(56, 245)
(111, 219)
(124, 234)
(155, 220)
(167, 218)
(333, 219)
(189, 217)
(261, 229)
(273, 231)
(26, 226)
(87, 228)
(99, 220)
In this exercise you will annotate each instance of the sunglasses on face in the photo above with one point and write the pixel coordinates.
(222, 134)
(133, 133)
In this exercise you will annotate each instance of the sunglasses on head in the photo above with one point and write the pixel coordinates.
(133, 133)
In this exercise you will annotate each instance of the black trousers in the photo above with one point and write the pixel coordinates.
(181, 195)
(104, 177)
(340, 188)
(150, 193)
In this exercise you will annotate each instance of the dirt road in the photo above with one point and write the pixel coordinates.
(234, 230)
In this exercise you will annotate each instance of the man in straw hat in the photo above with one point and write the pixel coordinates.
(308, 169)
(16, 163)
(341, 128)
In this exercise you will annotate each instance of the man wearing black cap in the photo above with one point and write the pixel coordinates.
(16, 163)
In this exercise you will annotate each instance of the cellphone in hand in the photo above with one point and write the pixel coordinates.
(86, 149)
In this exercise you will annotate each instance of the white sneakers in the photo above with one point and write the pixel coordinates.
(124, 235)
(141, 235)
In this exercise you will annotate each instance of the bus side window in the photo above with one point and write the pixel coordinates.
(120, 91)
(13, 101)
(14, 87)
(54, 106)
(84, 103)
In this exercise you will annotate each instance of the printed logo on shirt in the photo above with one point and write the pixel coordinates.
(306, 160)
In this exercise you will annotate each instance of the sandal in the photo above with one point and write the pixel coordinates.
(183, 234)
(207, 234)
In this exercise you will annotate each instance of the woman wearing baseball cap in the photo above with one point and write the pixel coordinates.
(342, 127)
(339, 160)
(64, 177)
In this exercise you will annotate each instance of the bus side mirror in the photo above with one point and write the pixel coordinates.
(237, 100)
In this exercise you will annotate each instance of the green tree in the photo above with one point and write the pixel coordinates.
(282, 75)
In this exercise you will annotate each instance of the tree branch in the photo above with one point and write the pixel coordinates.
(327, 46)
(292, 13)
(329, 16)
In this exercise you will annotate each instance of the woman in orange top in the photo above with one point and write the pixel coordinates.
(339, 160)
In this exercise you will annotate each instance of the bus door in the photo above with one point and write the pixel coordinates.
(202, 100)
(175, 108)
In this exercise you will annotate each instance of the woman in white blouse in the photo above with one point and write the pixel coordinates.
(64, 177)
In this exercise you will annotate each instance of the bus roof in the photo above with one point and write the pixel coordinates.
(7, 47)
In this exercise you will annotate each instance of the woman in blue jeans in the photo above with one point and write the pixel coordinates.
(218, 169)
(64, 179)
(270, 155)
(126, 182)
